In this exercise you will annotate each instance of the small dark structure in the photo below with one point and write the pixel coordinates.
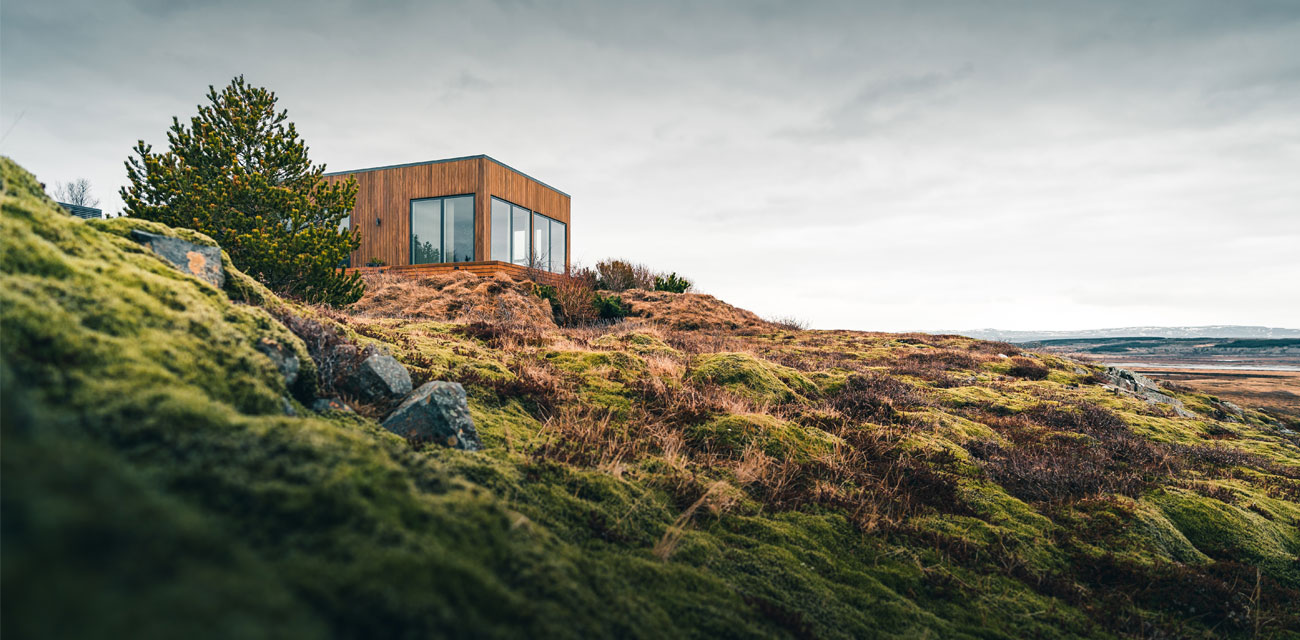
(89, 213)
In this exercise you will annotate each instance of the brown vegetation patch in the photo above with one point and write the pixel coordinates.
(936, 365)
(458, 296)
(690, 311)
(1072, 453)
(875, 397)
(1027, 368)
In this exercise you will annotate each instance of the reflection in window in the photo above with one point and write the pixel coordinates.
(541, 242)
(548, 247)
(519, 235)
(510, 232)
(426, 231)
(442, 230)
(458, 229)
(558, 237)
(500, 230)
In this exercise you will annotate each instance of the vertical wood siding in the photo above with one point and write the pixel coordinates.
(385, 195)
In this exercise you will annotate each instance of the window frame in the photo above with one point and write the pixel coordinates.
(442, 227)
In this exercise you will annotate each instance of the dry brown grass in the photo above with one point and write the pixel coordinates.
(690, 311)
(715, 498)
(458, 296)
(937, 365)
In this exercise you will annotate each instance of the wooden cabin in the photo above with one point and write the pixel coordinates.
(472, 213)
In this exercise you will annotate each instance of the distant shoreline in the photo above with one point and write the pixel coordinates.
(1172, 366)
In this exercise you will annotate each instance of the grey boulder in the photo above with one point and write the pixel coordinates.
(379, 378)
(197, 260)
(436, 412)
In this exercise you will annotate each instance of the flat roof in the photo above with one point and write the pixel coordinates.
(416, 164)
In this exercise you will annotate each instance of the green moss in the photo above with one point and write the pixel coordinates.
(751, 377)
(601, 376)
(730, 434)
(1228, 531)
(1155, 533)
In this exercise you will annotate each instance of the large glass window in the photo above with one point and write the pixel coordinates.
(442, 230)
(519, 235)
(558, 245)
(458, 225)
(550, 243)
(510, 224)
(500, 230)
(426, 231)
(541, 241)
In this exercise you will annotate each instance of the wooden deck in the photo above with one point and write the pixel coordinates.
(478, 268)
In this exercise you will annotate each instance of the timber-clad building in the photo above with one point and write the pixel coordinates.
(472, 213)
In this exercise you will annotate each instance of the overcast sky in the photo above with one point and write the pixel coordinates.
(863, 165)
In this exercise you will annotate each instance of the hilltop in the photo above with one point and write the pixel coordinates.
(691, 471)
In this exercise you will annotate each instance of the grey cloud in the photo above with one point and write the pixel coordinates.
(885, 104)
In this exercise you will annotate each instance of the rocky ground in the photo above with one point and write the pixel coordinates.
(199, 458)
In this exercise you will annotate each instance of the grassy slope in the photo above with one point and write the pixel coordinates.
(636, 482)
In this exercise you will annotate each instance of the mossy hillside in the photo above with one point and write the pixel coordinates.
(633, 529)
(338, 524)
(141, 323)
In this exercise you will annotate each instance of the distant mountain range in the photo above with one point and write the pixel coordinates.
(1209, 331)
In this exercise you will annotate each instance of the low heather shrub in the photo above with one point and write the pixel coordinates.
(672, 283)
(621, 275)
(610, 307)
(874, 397)
(1022, 367)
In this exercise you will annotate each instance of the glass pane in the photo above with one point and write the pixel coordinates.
(558, 240)
(541, 241)
(519, 236)
(500, 230)
(426, 235)
(458, 229)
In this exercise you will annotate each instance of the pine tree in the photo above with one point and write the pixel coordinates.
(240, 173)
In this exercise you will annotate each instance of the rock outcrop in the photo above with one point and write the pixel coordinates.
(197, 260)
(436, 412)
(1145, 388)
(379, 379)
